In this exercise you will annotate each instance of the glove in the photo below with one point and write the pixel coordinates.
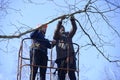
(72, 17)
(63, 17)
(54, 42)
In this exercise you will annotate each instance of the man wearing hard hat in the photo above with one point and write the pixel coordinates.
(38, 52)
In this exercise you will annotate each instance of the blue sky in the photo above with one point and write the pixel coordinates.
(93, 66)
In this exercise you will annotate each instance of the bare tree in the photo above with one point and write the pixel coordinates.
(93, 17)
(93, 12)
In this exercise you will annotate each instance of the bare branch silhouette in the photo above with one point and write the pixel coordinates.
(93, 44)
(90, 7)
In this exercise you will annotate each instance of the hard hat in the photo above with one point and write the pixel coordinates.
(44, 28)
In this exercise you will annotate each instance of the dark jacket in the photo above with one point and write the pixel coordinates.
(64, 46)
(40, 40)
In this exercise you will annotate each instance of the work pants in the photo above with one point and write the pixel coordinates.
(38, 58)
(62, 69)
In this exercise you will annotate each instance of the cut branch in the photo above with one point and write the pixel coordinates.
(28, 31)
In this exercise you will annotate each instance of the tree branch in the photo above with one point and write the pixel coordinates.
(93, 44)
